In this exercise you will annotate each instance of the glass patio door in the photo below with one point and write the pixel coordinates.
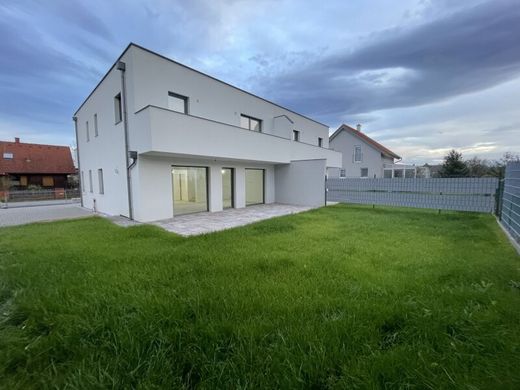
(190, 190)
(227, 188)
(254, 186)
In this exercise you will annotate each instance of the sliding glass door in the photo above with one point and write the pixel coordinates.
(190, 190)
(227, 188)
(254, 186)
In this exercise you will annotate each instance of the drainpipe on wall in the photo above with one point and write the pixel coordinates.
(121, 66)
(75, 119)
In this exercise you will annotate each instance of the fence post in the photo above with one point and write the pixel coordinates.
(499, 194)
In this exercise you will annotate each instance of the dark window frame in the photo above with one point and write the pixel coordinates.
(118, 108)
(186, 100)
(361, 172)
(296, 135)
(260, 124)
(263, 186)
(320, 142)
(96, 129)
(101, 181)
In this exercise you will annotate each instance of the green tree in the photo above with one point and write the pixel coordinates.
(454, 165)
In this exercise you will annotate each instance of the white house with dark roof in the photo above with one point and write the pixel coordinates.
(158, 139)
(365, 157)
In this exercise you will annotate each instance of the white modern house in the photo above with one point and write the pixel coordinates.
(365, 157)
(158, 139)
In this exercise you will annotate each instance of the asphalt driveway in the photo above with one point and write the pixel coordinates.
(23, 215)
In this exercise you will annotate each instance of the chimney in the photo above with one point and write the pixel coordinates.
(16, 140)
(358, 127)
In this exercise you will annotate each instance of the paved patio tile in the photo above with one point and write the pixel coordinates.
(200, 223)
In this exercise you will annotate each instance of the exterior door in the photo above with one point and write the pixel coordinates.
(254, 186)
(190, 190)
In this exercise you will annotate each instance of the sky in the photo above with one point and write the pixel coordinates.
(421, 76)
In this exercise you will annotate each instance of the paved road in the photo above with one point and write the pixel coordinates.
(23, 215)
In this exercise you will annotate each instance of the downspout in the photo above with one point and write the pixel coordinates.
(121, 66)
(75, 119)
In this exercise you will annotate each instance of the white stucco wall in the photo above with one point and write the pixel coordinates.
(106, 151)
(209, 98)
(345, 143)
(301, 183)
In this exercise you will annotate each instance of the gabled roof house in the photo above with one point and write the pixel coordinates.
(363, 156)
(27, 164)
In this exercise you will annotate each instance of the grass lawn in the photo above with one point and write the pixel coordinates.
(339, 297)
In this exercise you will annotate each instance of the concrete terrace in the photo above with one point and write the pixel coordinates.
(201, 223)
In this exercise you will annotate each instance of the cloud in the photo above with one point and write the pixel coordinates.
(462, 52)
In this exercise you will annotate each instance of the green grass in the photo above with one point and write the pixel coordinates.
(340, 297)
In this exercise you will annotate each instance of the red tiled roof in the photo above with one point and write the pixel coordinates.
(35, 158)
(365, 138)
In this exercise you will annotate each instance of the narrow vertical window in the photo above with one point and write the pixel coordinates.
(100, 179)
(87, 131)
(364, 172)
(357, 154)
(96, 131)
(82, 181)
(118, 111)
(91, 187)
(295, 135)
(342, 173)
(320, 142)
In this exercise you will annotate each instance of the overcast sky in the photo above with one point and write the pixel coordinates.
(421, 76)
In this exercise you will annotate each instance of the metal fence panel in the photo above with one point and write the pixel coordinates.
(510, 216)
(464, 194)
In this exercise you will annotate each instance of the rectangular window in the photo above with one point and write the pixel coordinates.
(342, 173)
(118, 109)
(364, 172)
(227, 188)
(320, 142)
(100, 179)
(190, 190)
(387, 173)
(88, 131)
(82, 181)
(47, 181)
(295, 135)
(91, 187)
(96, 131)
(250, 123)
(23, 181)
(357, 154)
(177, 102)
(8, 156)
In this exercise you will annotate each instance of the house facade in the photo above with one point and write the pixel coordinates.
(26, 165)
(158, 139)
(365, 157)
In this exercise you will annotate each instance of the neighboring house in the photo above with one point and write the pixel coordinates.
(362, 156)
(427, 171)
(24, 165)
(156, 139)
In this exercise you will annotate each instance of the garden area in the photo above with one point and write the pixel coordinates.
(338, 297)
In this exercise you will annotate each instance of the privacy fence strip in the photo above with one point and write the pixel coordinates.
(510, 210)
(464, 194)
